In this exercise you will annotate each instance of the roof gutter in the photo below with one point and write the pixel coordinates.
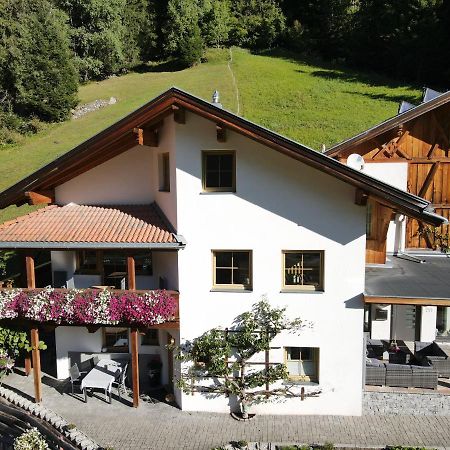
(92, 245)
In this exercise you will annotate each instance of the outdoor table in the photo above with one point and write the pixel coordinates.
(101, 377)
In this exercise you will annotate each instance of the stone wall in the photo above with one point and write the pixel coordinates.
(404, 403)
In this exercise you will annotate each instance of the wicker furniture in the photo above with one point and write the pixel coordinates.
(375, 372)
(398, 375)
(431, 354)
(424, 377)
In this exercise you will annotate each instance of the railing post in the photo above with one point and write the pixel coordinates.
(131, 272)
(31, 284)
(135, 366)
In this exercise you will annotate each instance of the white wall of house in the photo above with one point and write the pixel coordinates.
(125, 179)
(74, 339)
(395, 174)
(428, 324)
(279, 204)
(381, 329)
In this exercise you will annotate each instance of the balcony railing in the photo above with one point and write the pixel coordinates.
(134, 308)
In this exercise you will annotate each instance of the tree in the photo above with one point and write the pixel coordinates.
(216, 22)
(182, 36)
(37, 75)
(97, 33)
(223, 356)
(257, 23)
(140, 38)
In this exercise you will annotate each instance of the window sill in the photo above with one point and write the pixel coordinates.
(244, 291)
(216, 192)
(301, 291)
(300, 383)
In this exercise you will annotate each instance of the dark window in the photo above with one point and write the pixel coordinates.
(232, 269)
(150, 338)
(303, 270)
(115, 339)
(219, 171)
(303, 363)
(164, 172)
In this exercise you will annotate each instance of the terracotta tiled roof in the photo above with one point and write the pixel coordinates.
(72, 223)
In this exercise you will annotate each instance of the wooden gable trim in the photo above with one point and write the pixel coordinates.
(376, 242)
(40, 198)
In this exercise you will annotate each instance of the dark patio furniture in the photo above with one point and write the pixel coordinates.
(375, 372)
(375, 348)
(398, 375)
(424, 377)
(431, 354)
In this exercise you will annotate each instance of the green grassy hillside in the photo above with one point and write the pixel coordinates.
(305, 101)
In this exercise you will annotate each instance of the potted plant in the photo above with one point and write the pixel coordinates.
(154, 372)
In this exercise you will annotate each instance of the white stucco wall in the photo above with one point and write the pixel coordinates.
(381, 329)
(74, 339)
(428, 324)
(279, 205)
(396, 174)
(124, 179)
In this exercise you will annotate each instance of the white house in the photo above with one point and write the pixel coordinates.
(207, 204)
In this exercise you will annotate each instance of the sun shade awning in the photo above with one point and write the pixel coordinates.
(82, 226)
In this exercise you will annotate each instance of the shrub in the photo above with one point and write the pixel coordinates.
(30, 440)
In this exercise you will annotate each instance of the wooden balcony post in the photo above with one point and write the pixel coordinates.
(31, 284)
(36, 365)
(135, 366)
(131, 272)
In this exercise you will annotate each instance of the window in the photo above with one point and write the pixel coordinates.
(115, 339)
(150, 338)
(219, 171)
(303, 270)
(302, 363)
(232, 269)
(164, 172)
(88, 262)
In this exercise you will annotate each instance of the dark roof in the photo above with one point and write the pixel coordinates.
(390, 124)
(408, 279)
(80, 226)
(118, 138)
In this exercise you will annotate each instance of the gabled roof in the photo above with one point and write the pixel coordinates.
(80, 226)
(408, 114)
(119, 137)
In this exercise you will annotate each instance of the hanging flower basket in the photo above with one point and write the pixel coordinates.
(88, 306)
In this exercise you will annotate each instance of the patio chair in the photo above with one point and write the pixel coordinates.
(431, 354)
(121, 382)
(75, 376)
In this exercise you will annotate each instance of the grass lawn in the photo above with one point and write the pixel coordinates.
(306, 101)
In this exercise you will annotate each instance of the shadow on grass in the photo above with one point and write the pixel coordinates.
(337, 70)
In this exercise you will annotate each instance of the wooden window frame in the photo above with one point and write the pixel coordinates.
(232, 287)
(207, 153)
(164, 171)
(303, 287)
(316, 358)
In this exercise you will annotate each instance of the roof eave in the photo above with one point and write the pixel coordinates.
(92, 245)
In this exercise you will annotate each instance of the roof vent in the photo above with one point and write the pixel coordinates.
(355, 161)
(215, 99)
